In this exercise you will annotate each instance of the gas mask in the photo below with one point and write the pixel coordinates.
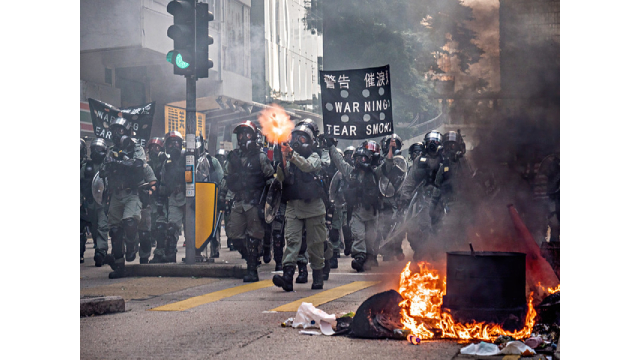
(154, 151)
(246, 139)
(362, 159)
(301, 141)
(98, 155)
(173, 148)
(121, 139)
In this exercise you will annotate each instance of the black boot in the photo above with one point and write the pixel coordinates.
(252, 269)
(118, 269)
(253, 249)
(317, 279)
(266, 248)
(334, 260)
(170, 248)
(99, 257)
(371, 261)
(348, 240)
(278, 242)
(358, 263)
(303, 275)
(326, 270)
(285, 281)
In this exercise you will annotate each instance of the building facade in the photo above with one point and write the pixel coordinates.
(123, 47)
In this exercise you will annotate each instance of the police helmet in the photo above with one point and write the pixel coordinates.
(384, 143)
(246, 133)
(416, 150)
(312, 124)
(363, 157)
(433, 142)
(349, 150)
(302, 139)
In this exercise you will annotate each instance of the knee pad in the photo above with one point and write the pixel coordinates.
(130, 226)
(116, 232)
(278, 240)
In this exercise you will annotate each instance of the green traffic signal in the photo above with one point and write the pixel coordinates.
(177, 60)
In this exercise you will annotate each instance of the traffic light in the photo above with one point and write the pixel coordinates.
(203, 40)
(183, 34)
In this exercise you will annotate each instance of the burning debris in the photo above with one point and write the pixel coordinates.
(423, 315)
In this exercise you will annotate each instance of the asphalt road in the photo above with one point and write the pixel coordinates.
(204, 318)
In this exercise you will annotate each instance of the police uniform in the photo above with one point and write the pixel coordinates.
(247, 174)
(95, 214)
(362, 192)
(125, 172)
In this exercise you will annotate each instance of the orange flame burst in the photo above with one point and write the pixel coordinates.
(421, 310)
(275, 123)
(553, 290)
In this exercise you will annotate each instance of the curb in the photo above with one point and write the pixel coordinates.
(101, 305)
(184, 270)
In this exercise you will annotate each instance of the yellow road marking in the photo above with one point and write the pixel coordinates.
(327, 295)
(214, 296)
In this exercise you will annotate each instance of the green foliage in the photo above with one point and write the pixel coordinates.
(403, 34)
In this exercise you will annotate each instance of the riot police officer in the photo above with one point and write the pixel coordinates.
(125, 169)
(171, 195)
(421, 188)
(415, 150)
(454, 207)
(302, 190)
(95, 211)
(248, 172)
(389, 186)
(363, 194)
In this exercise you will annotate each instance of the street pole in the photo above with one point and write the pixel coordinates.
(190, 211)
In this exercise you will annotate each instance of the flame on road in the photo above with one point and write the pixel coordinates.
(421, 311)
(275, 123)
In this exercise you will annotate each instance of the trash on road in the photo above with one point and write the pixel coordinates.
(310, 332)
(487, 349)
(308, 317)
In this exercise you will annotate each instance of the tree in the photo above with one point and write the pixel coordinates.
(403, 34)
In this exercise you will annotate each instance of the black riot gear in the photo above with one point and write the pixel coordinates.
(155, 145)
(384, 144)
(173, 144)
(98, 150)
(246, 133)
(302, 140)
(121, 134)
(415, 150)
(451, 145)
(374, 147)
(433, 143)
(362, 158)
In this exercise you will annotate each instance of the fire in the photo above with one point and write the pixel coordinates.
(421, 310)
(275, 123)
(553, 290)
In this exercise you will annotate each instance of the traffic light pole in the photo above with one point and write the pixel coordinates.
(190, 211)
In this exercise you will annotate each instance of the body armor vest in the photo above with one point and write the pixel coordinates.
(426, 169)
(247, 180)
(125, 174)
(172, 174)
(362, 190)
(301, 185)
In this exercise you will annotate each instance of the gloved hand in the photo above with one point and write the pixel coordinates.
(331, 142)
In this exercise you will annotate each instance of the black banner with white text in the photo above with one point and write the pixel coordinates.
(356, 104)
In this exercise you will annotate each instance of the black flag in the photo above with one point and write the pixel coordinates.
(356, 104)
(141, 118)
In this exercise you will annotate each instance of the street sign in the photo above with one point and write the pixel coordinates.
(175, 120)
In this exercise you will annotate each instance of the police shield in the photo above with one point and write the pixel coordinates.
(274, 196)
(388, 185)
(97, 188)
